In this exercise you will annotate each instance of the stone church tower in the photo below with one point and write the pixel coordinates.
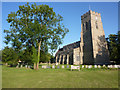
(91, 49)
(93, 46)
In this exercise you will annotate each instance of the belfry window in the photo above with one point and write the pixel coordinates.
(96, 25)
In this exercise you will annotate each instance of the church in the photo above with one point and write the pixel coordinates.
(92, 47)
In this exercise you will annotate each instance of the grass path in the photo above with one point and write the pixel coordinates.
(58, 78)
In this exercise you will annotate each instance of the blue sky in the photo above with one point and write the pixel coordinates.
(71, 13)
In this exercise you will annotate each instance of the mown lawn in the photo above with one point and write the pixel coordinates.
(58, 78)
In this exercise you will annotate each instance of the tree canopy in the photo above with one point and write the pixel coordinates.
(35, 25)
(114, 47)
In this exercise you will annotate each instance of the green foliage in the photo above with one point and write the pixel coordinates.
(33, 24)
(9, 56)
(44, 57)
(26, 56)
(30, 24)
(34, 55)
(114, 47)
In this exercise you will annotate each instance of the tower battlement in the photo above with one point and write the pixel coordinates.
(88, 14)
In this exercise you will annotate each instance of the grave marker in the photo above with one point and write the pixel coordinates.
(62, 66)
(53, 66)
(67, 66)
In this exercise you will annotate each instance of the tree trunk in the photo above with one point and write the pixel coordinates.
(34, 65)
(49, 62)
(39, 44)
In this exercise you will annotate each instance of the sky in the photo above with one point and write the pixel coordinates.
(71, 13)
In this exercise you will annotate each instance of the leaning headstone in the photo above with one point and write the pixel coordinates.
(26, 66)
(58, 67)
(53, 66)
(67, 66)
(82, 66)
(104, 66)
(95, 66)
(21, 66)
(62, 66)
(99, 66)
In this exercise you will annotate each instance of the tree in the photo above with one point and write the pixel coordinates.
(9, 56)
(36, 26)
(114, 47)
(44, 57)
(26, 57)
(34, 56)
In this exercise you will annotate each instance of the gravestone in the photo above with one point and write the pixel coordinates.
(115, 66)
(67, 66)
(53, 66)
(86, 66)
(75, 67)
(44, 66)
(90, 66)
(99, 66)
(104, 66)
(118, 66)
(48, 66)
(108, 66)
(58, 67)
(26, 66)
(82, 66)
(111, 66)
(62, 66)
(21, 66)
(95, 66)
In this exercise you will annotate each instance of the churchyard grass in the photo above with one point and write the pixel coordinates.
(59, 78)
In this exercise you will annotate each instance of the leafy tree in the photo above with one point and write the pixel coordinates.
(52, 59)
(114, 47)
(44, 57)
(37, 26)
(9, 56)
(34, 56)
(26, 57)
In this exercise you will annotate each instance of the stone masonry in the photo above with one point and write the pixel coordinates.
(92, 49)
